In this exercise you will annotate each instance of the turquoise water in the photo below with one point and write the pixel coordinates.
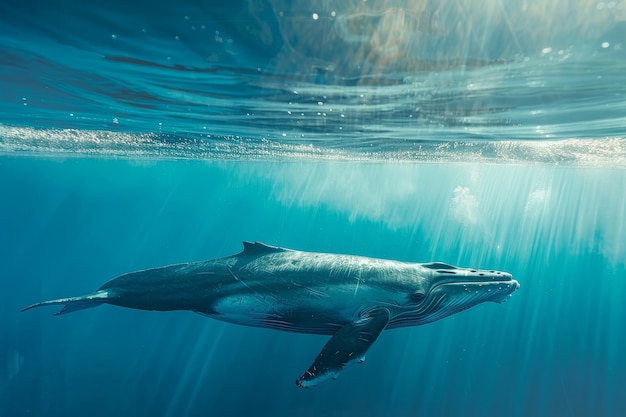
(136, 134)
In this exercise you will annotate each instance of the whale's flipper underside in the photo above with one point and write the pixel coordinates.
(75, 303)
(347, 346)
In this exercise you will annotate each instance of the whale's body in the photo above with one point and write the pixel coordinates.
(352, 298)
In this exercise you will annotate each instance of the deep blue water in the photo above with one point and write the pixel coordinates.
(485, 134)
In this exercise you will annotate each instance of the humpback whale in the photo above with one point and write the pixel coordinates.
(350, 298)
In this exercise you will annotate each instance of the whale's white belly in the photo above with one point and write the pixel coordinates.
(302, 309)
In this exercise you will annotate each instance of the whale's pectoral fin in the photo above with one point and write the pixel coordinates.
(347, 346)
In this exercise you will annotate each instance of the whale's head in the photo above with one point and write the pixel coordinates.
(446, 290)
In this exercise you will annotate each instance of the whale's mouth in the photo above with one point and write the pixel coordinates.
(494, 285)
(479, 291)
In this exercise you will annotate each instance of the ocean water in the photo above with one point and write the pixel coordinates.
(484, 134)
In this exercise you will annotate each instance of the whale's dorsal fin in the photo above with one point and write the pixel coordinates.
(258, 248)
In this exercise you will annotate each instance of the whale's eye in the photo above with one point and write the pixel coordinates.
(417, 296)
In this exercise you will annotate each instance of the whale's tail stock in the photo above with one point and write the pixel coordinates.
(75, 303)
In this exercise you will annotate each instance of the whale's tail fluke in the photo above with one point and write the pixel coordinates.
(75, 303)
